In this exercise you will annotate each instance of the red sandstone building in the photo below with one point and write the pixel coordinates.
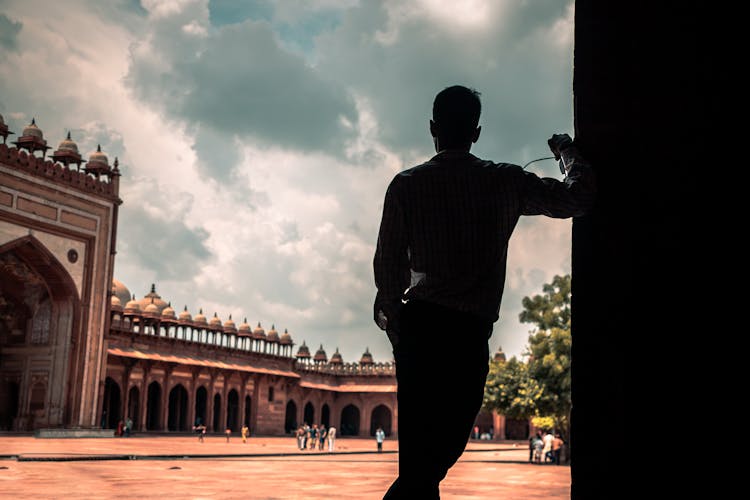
(78, 351)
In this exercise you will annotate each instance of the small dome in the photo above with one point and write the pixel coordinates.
(259, 332)
(67, 144)
(336, 359)
(200, 318)
(303, 351)
(185, 315)
(499, 355)
(273, 335)
(133, 306)
(98, 157)
(32, 130)
(215, 322)
(366, 358)
(245, 330)
(153, 298)
(115, 302)
(286, 339)
(151, 308)
(229, 324)
(122, 292)
(320, 355)
(168, 312)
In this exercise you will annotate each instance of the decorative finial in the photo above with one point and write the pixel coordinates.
(153, 288)
(214, 314)
(185, 309)
(286, 331)
(200, 311)
(230, 317)
(245, 320)
(133, 296)
(169, 304)
(68, 135)
(98, 148)
(258, 324)
(33, 121)
(273, 326)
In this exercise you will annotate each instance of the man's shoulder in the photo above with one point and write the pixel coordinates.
(439, 162)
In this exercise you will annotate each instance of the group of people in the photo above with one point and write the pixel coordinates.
(124, 427)
(545, 448)
(315, 437)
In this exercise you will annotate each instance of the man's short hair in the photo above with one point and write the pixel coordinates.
(456, 111)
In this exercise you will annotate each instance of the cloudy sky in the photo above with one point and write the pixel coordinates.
(256, 138)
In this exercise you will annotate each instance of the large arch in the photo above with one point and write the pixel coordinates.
(233, 409)
(290, 417)
(201, 405)
(153, 407)
(325, 415)
(381, 417)
(134, 398)
(111, 404)
(216, 421)
(178, 409)
(39, 316)
(309, 414)
(350, 421)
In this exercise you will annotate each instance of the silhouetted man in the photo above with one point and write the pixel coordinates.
(440, 271)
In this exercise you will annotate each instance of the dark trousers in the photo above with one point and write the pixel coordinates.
(441, 367)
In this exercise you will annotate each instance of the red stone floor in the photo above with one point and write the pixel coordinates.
(255, 470)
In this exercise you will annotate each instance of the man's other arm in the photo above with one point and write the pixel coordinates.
(571, 197)
(391, 262)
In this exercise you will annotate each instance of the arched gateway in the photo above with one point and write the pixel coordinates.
(38, 312)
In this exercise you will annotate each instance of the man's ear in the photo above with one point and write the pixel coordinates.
(433, 129)
(476, 134)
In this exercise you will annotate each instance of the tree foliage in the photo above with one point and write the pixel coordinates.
(541, 386)
(510, 389)
(552, 308)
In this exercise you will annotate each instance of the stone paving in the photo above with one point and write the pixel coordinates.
(265, 468)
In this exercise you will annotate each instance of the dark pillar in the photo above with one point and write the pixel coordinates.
(641, 115)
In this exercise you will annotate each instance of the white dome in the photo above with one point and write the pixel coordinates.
(98, 157)
(67, 144)
(32, 130)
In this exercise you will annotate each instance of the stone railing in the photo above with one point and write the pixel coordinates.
(387, 369)
(26, 162)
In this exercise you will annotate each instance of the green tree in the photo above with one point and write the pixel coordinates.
(552, 308)
(540, 387)
(549, 349)
(511, 390)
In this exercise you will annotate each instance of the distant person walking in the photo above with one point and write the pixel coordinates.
(440, 260)
(321, 437)
(532, 441)
(331, 438)
(128, 426)
(199, 429)
(380, 437)
(557, 445)
(547, 450)
(245, 433)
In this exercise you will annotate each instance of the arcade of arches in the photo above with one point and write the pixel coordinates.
(77, 350)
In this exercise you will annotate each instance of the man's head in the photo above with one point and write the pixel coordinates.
(455, 118)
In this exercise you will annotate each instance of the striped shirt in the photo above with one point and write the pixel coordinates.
(446, 224)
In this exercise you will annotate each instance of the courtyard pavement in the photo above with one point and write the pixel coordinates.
(264, 468)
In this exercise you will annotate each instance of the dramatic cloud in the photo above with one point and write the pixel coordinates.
(256, 139)
(237, 80)
(8, 32)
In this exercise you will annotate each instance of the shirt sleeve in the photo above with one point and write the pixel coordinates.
(391, 262)
(571, 197)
